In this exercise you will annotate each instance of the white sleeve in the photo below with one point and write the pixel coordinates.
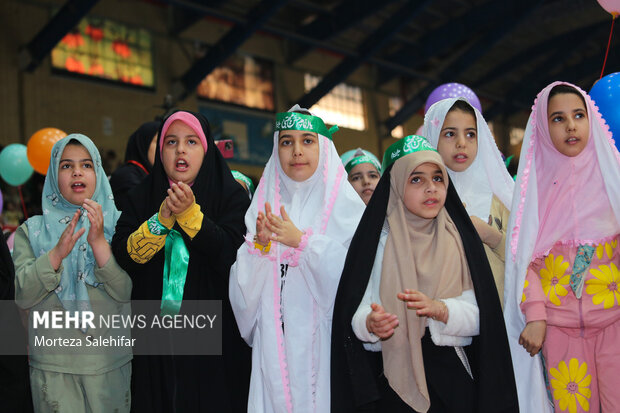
(371, 295)
(463, 321)
(248, 276)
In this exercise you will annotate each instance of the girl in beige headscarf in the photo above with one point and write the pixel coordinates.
(421, 307)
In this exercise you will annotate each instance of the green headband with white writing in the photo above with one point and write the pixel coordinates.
(299, 121)
(405, 146)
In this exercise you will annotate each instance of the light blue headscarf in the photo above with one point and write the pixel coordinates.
(44, 230)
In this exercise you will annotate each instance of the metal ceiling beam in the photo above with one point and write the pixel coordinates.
(370, 46)
(307, 40)
(183, 16)
(346, 15)
(69, 15)
(446, 36)
(224, 48)
(519, 10)
(587, 69)
(539, 49)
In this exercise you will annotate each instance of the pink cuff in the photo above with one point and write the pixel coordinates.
(292, 255)
(534, 311)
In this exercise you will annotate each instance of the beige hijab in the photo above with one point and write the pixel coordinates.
(422, 254)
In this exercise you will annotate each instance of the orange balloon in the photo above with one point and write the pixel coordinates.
(39, 149)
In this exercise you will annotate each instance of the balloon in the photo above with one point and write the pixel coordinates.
(14, 166)
(611, 6)
(606, 95)
(40, 148)
(452, 90)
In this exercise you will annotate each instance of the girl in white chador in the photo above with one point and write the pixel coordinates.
(283, 285)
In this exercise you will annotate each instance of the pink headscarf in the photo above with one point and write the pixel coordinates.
(187, 118)
(573, 206)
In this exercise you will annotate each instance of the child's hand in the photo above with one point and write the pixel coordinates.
(533, 336)
(488, 234)
(165, 209)
(180, 197)
(95, 216)
(66, 242)
(380, 323)
(284, 231)
(424, 306)
(263, 235)
(96, 238)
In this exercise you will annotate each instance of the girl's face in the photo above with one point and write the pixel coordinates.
(77, 179)
(182, 153)
(364, 178)
(425, 191)
(299, 153)
(458, 140)
(569, 126)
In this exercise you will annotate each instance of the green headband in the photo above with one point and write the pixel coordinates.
(248, 182)
(362, 159)
(298, 121)
(405, 146)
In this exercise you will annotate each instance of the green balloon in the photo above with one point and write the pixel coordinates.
(14, 166)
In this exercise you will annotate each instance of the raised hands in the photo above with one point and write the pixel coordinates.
(380, 323)
(66, 242)
(180, 197)
(283, 229)
(96, 238)
(263, 235)
(424, 306)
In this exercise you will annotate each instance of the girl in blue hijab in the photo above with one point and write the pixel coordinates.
(63, 261)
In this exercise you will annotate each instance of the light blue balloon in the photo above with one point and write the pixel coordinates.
(14, 166)
(606, 95)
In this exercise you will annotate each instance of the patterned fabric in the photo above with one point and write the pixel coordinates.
(582, 262)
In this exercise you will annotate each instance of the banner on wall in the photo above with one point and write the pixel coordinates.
(252, 135)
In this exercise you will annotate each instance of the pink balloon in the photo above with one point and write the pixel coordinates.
(611, 6)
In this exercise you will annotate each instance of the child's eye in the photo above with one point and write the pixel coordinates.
(192, 141)
(285, 142)
(437, 178)
(355, 178)
(374, 176)
(449, 134)
(557, 119)
(308, 141)
(65, 166)
(170, 141)
(471, 135)
(87, 165)
(580, 115)
(415, 180)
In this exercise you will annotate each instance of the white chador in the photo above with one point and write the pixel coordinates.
(283, 301)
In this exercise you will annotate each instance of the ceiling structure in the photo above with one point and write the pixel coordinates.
(505, 50)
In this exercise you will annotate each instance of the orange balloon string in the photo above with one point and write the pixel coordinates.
(611, 32)
(21, 197)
